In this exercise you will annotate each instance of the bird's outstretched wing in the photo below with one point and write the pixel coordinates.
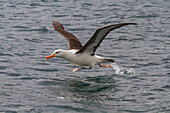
(91, 46)
(74, 43)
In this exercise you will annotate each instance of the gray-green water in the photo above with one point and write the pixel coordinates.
(30, 84)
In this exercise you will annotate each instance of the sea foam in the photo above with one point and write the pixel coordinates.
(120, 70)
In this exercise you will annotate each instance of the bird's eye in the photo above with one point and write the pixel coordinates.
(57, 52)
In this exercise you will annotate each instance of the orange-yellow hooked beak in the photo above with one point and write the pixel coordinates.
(50, 56)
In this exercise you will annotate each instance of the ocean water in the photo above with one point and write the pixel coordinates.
(138, 82)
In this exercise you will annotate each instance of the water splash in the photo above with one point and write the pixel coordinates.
(120, 70)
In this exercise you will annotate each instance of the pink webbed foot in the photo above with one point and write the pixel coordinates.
(105, 65)
(76, 69)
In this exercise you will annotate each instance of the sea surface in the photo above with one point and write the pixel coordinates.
(138, 81)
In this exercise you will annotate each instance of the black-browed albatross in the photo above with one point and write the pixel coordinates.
(84, 55)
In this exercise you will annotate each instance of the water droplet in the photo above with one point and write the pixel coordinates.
(120, 70)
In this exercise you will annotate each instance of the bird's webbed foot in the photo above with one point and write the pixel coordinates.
(77, 69)
(104, 65)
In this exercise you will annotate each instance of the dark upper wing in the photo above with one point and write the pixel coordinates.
(74, 43)
(91, 46)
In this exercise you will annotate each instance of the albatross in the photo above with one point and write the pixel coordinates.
(84, 55)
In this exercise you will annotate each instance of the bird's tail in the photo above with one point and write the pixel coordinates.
(105, 60)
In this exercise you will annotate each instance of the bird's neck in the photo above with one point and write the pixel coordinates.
(66, 54)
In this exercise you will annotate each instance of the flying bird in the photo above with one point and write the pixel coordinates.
(84, 55)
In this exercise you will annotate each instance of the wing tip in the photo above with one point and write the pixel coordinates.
(133, 23)
(129, 24)
(57, 25)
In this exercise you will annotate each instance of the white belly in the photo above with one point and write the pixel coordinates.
(81, 59)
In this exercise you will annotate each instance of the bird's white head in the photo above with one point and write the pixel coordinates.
(56, 53)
